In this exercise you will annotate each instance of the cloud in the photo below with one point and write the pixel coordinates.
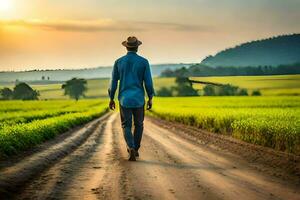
(102, 25)
(69, 25)
(172, 26)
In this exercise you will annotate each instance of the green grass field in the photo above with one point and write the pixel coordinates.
(268, 85)
(23, 124)
(279, 85)
(269, 121)
(272, 120)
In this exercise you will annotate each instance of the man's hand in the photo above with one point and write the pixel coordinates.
(112, 105)
(149, 104)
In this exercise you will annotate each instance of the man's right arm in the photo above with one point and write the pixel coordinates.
(113, 85)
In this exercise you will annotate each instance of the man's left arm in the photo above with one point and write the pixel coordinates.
(148, 85)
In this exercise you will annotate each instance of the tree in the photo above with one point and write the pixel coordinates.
(209, 90)
(6, 93)
(224, 90)
(185, 90)
(75, 88)
(256, 93)
(24, 92)
(43, 78)
(182, 72)
(164, 92)
(167, 73)
(227, 90)
(243, 92)
(184, 87)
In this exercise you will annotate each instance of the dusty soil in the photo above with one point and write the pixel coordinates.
(174, 163)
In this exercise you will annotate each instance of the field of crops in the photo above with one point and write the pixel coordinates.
(24, 124)
(278, 85)
(269, 121)
(268, 85)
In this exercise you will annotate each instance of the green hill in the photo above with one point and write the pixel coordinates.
(272, 52)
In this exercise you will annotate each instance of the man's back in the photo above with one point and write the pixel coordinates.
(132, 71)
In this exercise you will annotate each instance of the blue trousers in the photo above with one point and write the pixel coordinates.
(137, 116)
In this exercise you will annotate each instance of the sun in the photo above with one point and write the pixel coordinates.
(5, 5)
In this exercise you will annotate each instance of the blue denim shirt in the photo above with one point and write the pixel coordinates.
(133, 72)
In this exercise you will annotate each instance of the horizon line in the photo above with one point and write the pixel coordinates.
(88, 68)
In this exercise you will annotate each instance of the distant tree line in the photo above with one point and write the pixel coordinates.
(184, 87)
(227, 90)
(203, 70)
(44, 78)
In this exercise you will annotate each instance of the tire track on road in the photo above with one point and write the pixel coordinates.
(170, 167)
(76, 175)
(153, 176)
(16, 174)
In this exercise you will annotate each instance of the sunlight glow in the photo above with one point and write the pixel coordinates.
(5, 5)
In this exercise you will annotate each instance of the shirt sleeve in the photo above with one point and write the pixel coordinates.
(148, 81)
(114, 81)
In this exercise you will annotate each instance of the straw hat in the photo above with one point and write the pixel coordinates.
(131, 42)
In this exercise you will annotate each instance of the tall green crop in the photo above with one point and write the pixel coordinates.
(23, 124)
(269, 121)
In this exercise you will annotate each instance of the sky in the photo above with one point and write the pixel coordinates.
(69, 34)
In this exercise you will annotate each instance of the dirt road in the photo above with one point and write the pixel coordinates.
(170, 167)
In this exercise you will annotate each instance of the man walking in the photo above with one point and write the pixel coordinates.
(133, 72)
